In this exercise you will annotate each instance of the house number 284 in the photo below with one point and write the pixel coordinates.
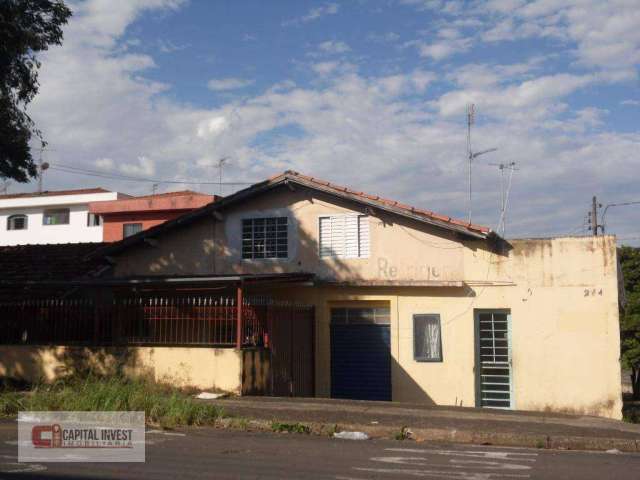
(592, 292)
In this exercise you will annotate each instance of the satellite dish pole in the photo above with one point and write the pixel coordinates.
(471, 155)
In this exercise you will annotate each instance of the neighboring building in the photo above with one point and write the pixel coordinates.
(51, 217)
(406, 305)
(125, 217)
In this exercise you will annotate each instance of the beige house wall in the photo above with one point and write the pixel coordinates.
(562, 294)
(213, 246)
(202, 368)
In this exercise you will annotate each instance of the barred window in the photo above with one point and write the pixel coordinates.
(17, 222)
(265, 237)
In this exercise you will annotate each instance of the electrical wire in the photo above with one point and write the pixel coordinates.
(114, 176)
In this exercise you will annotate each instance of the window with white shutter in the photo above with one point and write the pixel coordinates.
(344, 236)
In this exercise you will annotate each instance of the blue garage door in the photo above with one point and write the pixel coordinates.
(360, 353)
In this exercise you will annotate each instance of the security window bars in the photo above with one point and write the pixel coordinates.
(129, 229)
(17, 222)
(427, 338)
(494, 357)
(56, 217)
(265, 237)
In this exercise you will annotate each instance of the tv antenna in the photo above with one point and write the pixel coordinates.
(221, 163)
(505, 188)
(471, 155)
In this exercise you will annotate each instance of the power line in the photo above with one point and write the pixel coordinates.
(621, 204)
(115, 176)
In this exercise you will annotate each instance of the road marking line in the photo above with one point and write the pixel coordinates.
(470, 453)
(423, 462)
(446, 473)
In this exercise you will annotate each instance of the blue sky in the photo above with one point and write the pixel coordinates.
(371, 94)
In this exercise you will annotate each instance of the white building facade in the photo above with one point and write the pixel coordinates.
(51, 217)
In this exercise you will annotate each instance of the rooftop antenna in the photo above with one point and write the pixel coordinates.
(471, 155)
(504, 193)
(221, 162)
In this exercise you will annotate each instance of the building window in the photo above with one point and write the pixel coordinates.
(93, 220)
(17, 222)
(344, 236)
(129, 229)
(361, 316)
(265, 237)
(427, 338)
(58, 216)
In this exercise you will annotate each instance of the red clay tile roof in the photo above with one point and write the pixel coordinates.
(180, 193)
(52, 193)
(383, 201)
(36, 263)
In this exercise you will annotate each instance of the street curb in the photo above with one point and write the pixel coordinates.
(445, 435)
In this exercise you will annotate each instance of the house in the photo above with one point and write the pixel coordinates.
(127, 216)
(51, 217)
(337, 293)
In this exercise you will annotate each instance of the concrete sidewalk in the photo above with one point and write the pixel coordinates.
(428, 423)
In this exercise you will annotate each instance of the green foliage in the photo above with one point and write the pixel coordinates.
(163, 406)
(403, 434)
(290, 427)
(630, 315)
(27, 27)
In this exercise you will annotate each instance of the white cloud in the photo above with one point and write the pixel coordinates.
(325, 68)
(314, 14)
(448, 41)
(106, 164)
(143, 167)
(334, 47)
(393, 132)
(218, 84)
(630, 102)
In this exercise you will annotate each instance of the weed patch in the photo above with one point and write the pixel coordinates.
(163, 406)
(290, 428)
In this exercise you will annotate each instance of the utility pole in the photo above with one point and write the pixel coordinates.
(221, 162)
(471, 111)
(593, 217)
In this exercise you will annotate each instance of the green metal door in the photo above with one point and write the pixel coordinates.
(494, 373)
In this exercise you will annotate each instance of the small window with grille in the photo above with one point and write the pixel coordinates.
(427, 338)
(265, 238)
(17, 222)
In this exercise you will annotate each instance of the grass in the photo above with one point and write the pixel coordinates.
(290, 427)
(164, 406)
(403, 434)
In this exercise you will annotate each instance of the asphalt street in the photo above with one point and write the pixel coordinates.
(221, 454)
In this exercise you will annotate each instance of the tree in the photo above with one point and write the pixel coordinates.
(630, 315)
(27, 27)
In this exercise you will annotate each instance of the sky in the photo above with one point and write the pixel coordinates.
(368, 94)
